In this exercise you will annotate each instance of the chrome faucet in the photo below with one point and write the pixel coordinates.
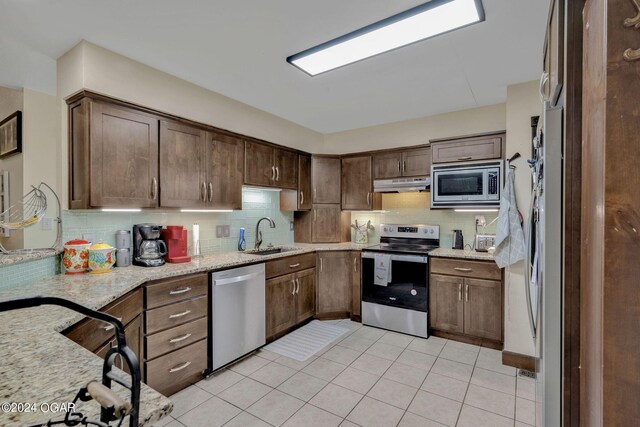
(259, 233)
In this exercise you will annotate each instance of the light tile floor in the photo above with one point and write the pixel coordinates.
(369, 377)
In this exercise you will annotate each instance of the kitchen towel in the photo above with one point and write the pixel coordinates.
(382, 272)
(510, 242)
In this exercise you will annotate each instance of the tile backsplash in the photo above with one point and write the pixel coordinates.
(414, 208)
(256, 203)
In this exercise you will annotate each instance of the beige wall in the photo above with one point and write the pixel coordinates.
(523, 102)
(417, 131)
(10, 102)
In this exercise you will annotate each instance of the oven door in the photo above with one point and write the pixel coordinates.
(408, 288)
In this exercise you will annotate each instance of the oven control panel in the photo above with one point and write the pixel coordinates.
(410, 231)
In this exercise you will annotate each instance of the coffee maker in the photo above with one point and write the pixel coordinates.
(148, 248)
(176, 238)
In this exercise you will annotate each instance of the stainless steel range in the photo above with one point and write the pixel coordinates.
(395, 278)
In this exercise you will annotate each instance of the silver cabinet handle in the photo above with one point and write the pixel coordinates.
(175, 316)
(315, 193)
(355, 264)
(297, 264)
(463, 269)
(399, 167)
(543, 81)
(369, 199)
(466, 292)
(320, 265)
(154, 188)
(404, 166)
(179, 367)
(297, 286)
(210, 191)
(302, 198)
(179, 291)
(277, 173)
(293, 287)
(273, 173)
(315, 215)
(110, 327)
(465, 158)
(203, 191)
(459, 291)
(182, 338)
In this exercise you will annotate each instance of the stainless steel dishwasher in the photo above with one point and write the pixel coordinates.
(237, 313)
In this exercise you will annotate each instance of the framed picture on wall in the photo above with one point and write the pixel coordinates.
(11, 135)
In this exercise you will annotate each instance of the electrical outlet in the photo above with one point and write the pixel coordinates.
(46, 224)
(290, 225)
(226, 231)
(89, 237)
(481, 220)
(218, 231)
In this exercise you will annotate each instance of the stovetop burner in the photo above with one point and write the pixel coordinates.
(409, 239)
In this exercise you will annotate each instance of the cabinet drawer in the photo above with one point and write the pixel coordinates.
(175, 338)
(174, 290)
(288, 265)
(176, 314)
(93, 334)
(463, 268)
(177, 370)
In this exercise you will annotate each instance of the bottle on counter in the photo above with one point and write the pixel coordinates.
(242, 244)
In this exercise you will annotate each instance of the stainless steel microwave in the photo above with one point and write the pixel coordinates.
(468, 185)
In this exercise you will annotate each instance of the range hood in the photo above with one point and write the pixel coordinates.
(401, 185)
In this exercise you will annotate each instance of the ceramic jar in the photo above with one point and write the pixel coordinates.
(75, 258)
(102, 257)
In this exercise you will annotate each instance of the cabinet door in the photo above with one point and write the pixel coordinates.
(280, 304)
(325, 179)
(133, 337)
(356, 183)
(182, 163)
(446, 307)
(305, 294)
(334, 283)
(286, 163)
(259, 168)
(225, 162)
(325, 227)
(124, 158)
(356, 286)
(304, 182)
(387, 165)
(416, 162)
(481, 147)
(483, 308)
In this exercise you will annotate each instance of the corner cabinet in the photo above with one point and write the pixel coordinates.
(466, 300)
(113, 156)
(334, 284)
(269, 166)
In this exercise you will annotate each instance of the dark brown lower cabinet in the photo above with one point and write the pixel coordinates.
(356, 286)
(133, 335)
(334, 291)
(290, 300)
(470, 308)
(174, 371)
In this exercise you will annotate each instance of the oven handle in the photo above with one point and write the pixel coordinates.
(409, 258)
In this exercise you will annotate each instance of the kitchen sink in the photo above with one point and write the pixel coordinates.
(269, 251)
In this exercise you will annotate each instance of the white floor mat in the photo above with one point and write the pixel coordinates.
(303, 343)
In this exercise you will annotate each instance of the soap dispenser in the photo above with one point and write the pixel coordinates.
(241, 242)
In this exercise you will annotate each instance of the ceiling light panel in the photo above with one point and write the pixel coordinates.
(420, 23)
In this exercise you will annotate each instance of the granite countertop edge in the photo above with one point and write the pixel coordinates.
(462, 254)
(19, 258)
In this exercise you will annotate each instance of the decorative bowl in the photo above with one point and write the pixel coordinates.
(75, 258)
(102, 257)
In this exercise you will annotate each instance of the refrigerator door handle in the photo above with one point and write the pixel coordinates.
(528, 267)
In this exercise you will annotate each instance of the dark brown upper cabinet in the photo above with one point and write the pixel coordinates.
(268, 166)
(357, 183)
(396, 164)
(304, 182)
(183, 180)
(113, 157)
(461, 149)
(325, 179)
(225, 163)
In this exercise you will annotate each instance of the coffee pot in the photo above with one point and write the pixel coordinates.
(148, 247)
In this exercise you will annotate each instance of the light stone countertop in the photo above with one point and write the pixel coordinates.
(20, 257)
(460, 253)
(38, 364)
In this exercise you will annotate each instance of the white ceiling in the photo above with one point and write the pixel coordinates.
(238, 48)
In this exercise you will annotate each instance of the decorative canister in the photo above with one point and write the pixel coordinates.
(361, 236)
(123, 239)
(102, 257)
(123, 257)
(76, 256)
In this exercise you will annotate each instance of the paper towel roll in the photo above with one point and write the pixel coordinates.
(196, 239)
